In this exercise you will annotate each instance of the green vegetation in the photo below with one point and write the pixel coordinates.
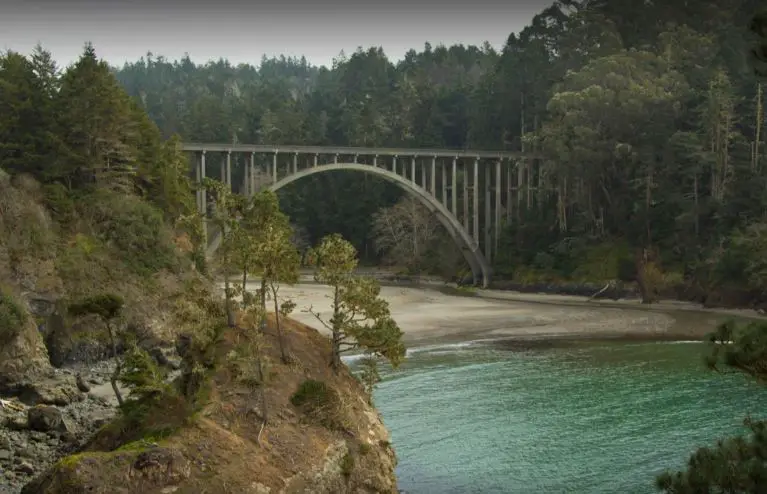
(12, 317)
(361, 318)
(321, 403)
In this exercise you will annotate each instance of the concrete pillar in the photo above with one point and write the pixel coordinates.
(475, 206)
(375, 160)
(246, 181)
(423, 177)
(454, 189)
(204, 200)
(274, 168)
(315, 161)
(223, 171)
(433, 178)
(394, 164)
(203, 193)
(509, 201)
(498, 189)
(335, 159)
(488, 213)
(252, 173)
(229, 170)
(466, 199)
(198, 180)
(444, 184)
(412, 170)
(356, 157)
(295, 163)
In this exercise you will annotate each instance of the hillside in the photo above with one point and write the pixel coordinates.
(338, 446)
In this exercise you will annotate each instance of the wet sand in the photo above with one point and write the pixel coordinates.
(427, 315)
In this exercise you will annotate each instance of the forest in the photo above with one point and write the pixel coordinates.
(648, 118)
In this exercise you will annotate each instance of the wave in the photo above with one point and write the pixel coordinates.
(686, 342)
(438, 349)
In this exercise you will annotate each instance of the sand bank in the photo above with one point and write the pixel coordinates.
(427, 315)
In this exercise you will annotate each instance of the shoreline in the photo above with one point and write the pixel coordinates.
(433, 312)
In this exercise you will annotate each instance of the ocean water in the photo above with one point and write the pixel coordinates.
(582, 417)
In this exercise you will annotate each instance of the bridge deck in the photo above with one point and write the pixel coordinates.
(361, 151)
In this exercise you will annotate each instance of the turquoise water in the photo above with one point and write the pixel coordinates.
(584, 418)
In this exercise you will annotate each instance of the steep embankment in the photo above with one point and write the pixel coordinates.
(320, 434)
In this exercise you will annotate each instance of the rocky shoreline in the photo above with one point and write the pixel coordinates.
(36, 433)
(32, 437)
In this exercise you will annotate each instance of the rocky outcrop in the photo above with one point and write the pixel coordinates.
(224, 449)
(24, 357)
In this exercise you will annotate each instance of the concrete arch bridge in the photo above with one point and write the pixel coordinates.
(451, 184)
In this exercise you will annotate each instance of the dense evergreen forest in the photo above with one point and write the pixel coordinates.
(648, 116)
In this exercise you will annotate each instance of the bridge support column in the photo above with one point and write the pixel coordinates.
(466, 198)
(274, 168)
(295, 163)
(488, 220)
(315, 161)
(198, 181)
(229, 170)
(375, 161)
(509, 202)
(252, 174)
(454, 189)
(204, 200)
(475, 205)
(434, 176)
(412, 170)
(394, 164)
(246, 181)
(423, 177)
(498, 189)
(444, 184)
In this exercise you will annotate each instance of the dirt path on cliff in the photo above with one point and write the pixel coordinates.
(427, 315)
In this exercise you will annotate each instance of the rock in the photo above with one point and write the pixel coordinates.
(56, 390)
(5, 455)
(23, 359)
(81, 384)
(158, 356)
(25, 468)
(46, 418)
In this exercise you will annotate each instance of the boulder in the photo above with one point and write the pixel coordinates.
(46, 418)
(23, 358)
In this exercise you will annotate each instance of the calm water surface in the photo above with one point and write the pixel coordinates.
(585, 418)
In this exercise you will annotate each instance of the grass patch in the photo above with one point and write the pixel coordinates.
(347, 465)
(319, 402)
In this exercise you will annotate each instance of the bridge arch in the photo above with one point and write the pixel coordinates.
(470, 248)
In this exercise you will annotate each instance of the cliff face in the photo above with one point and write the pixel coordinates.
(219, 450)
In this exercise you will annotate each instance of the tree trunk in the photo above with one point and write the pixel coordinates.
(263, 304)
(335, 361)
(280, 341)
(118, 367)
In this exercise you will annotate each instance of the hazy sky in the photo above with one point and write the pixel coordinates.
(244, 31)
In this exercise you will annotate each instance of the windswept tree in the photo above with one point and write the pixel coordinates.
(108, 307)
(276, 259)
(225, 218)
(361, 318)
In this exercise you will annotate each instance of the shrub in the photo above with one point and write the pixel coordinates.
(12, 317)
(136, 230)
(319, 402)
(347, 465)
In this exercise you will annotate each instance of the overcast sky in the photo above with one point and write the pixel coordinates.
(243, 31)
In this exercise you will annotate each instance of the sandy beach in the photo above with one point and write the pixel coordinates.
(427, 315)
